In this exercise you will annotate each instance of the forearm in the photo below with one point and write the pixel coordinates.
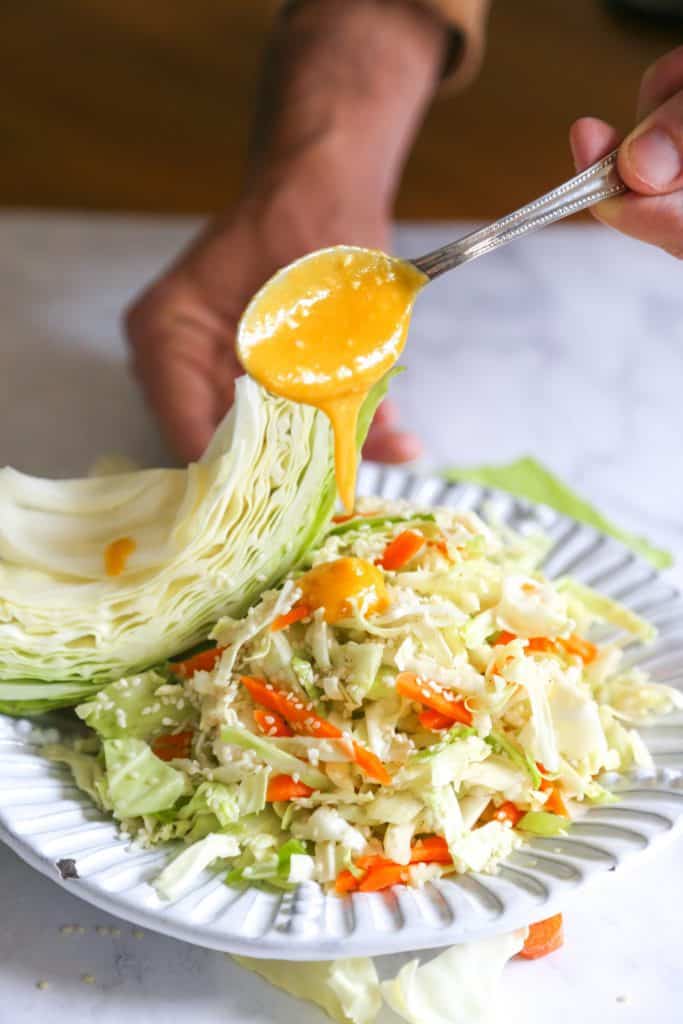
(344, 90)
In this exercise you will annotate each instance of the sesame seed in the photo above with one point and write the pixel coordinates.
(42, 985)
(138, 933)
(66, 929)
(102, 930)
(88, 979)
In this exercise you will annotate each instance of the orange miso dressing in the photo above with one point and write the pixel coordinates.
(332, 585)
(116, 555)
(324, 330)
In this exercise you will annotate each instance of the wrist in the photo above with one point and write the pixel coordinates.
(345, 88)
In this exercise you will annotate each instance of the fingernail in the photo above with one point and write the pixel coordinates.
(655, 158)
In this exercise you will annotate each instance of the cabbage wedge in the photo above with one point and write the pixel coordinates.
(207, 540)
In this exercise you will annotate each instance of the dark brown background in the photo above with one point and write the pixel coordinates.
(128, 105)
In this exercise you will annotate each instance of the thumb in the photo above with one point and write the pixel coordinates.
(651, 157)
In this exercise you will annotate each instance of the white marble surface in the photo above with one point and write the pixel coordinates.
(568, 346)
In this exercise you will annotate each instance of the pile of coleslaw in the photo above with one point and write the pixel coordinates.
(416, 699)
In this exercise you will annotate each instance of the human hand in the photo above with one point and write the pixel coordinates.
(650, 159)
(346, 86)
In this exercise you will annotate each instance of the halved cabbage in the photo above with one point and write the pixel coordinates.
(208, 540)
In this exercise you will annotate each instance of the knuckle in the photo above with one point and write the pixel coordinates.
(146, 312)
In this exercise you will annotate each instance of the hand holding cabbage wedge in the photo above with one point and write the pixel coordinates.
(201, 543)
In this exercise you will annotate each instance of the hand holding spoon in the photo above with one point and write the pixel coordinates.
(328, 327)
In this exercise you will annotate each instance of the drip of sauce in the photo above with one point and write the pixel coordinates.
(324, 330)
(333, 585)
(116, 555)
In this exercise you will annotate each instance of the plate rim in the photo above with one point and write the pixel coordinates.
(287, 946)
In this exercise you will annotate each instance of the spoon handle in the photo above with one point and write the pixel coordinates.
(599, 181)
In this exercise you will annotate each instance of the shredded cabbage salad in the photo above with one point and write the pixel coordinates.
(415, 699)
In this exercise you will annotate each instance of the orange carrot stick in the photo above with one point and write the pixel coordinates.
(434, 720)
(430, 850)
(345, 882)
(205, 661)
(440, 544)
(505, 638)
(508, 812)
(303, 719)
(433, 696)
(544, 937)
(575, 644)
(382, 876)
(541, 644)
(270, 723)
(371, 860)
(555, 802)
(284, 787)
(295, 614)
(401, 550)
(371, 765)
(171, 745)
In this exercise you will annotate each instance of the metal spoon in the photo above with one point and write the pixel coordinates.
(599, 181)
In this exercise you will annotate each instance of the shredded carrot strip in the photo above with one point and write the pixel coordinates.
(371, 860)
(434, 720)
(345, 882)
(433, 696)
(440, 544)
(171, 745)
(295, 614)
(574, 644)
(371, 765)
(290, 707)
(555, 802)
(541, 644)
(505, 638)
(383, 876)
(202, 662)
(401, 550)
(380, 872)
(544, 937)
(284, 787)
(271, 724)
(508, 812)
(303, 719)
(430, 850)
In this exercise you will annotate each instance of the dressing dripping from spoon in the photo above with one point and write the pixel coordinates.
(324, 330)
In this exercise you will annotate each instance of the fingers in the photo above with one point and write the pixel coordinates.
(184, 365)
(650, 212)
(386, 415)
(651, 157)
(590, 139)
(386, 444)
(661, 80)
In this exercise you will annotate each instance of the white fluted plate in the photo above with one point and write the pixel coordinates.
(54, 827)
